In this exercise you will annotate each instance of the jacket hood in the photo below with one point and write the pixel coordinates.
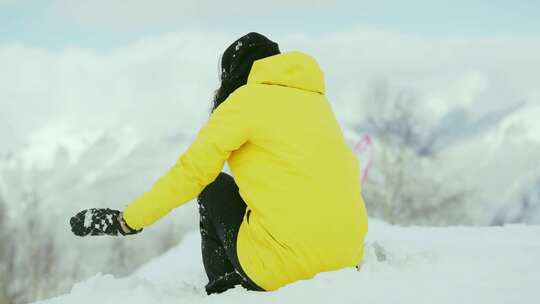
(291, 69)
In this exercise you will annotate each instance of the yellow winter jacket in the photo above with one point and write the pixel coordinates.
(294, 170)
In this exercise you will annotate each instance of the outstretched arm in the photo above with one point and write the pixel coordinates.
(226, 130)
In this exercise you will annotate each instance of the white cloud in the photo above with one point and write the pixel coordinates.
(123, 86)
(462, 92)
(487, 72)
(164, 84)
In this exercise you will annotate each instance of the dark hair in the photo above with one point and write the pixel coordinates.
(237, 60)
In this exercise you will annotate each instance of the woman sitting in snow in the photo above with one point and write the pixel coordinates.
(294, 207)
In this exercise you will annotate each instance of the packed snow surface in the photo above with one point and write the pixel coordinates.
(402, 265)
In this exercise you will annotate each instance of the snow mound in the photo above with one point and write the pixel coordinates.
(402, 265)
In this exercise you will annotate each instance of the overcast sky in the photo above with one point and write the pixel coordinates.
(103, 24)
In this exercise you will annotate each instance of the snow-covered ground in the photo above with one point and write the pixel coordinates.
(402, 265)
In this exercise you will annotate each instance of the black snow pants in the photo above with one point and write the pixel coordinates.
(221, 212)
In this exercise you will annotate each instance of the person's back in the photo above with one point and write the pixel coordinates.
(294, 206)
(297, 175)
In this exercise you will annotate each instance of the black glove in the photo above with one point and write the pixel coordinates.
(98, 221)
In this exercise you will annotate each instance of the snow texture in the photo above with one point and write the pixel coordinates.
(238, 45)
(402, 265)
(88, 218)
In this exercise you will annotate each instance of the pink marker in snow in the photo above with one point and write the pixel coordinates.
(365, 144)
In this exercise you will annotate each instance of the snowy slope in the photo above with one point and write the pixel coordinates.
(402, 265)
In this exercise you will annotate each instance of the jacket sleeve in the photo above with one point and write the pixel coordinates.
(226, 130)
